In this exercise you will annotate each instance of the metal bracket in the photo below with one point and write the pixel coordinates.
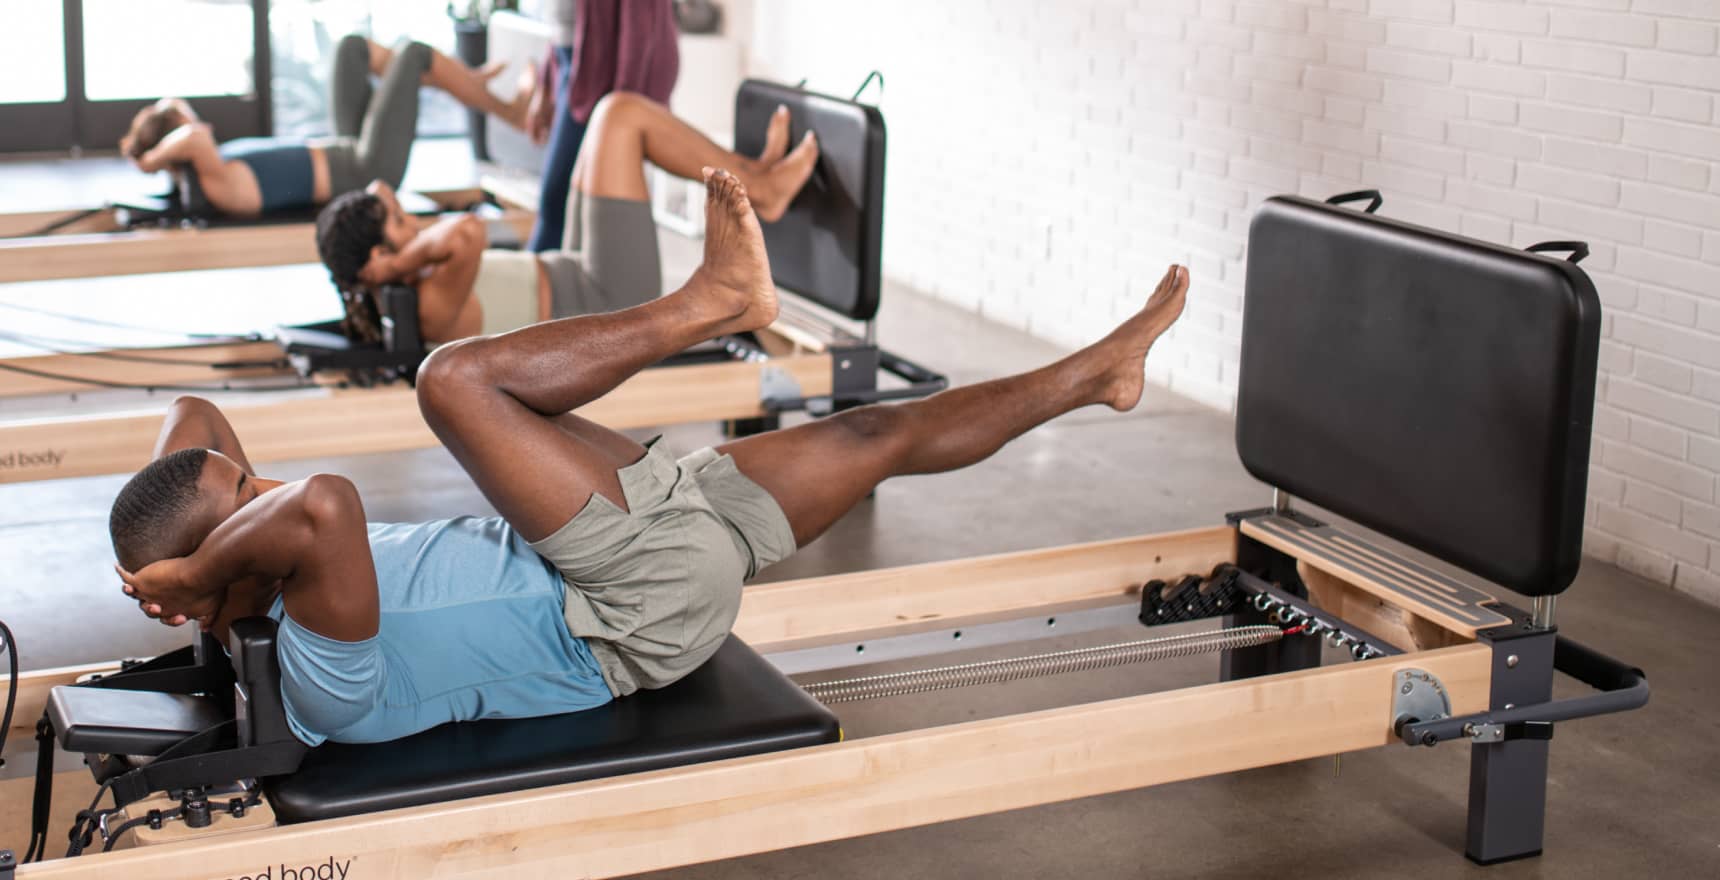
(1191, 597)
(1418, 695)
(776, 385)
(8, 863)
(1493, 731)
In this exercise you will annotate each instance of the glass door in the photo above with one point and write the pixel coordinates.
(35, 113)
(75, 72)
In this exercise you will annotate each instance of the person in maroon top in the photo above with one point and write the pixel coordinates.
(601, 46)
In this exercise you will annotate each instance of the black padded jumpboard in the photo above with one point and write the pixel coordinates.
(828, 247)
(735, 704)
(1431, 387)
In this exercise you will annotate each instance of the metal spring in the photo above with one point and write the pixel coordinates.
(918, 681)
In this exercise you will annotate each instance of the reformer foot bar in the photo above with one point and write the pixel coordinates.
(1419, 662)
(108, 243)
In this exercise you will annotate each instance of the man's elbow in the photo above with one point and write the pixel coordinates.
(472, 232)
(190, 403)
(330, 502)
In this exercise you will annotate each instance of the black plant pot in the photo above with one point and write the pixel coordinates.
(471, 43)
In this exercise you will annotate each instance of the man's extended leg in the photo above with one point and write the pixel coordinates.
(626, 130)
(817, 471)
(497, 402)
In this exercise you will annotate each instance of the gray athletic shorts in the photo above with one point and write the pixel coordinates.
(654, 589)
(608, 259)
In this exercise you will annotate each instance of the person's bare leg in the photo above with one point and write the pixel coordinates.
(817, 471)
(626, 130)
(498, 402)
(468, 85)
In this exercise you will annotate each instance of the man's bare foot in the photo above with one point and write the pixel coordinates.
(780, 183)
(1123, 354)
(775, 138)
(736, 268)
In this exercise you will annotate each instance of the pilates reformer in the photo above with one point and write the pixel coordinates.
(311, 392)
(1343, 312)
(178, 232)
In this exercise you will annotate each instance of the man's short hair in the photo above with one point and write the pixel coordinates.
(347, 229)
(152, 516)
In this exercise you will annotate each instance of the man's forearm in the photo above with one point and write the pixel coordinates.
(310, 536)
(266, 539)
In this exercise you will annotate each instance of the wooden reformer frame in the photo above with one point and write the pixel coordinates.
(101, 245)
(624, 825)
(329, 418)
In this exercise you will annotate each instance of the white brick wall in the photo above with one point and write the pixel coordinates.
(1048, 159)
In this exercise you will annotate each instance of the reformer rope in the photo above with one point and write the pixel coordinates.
(298, 385)
(98, 322)
(53, 345)
(61, 222)
(918, 681)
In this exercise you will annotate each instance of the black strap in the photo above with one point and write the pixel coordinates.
(1579, 249)
(44, 798)
(1375, 200)
(870, 77)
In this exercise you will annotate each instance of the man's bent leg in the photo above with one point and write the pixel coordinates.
(498, 402)
(819, 470)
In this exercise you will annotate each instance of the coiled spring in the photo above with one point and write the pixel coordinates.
(917, 681)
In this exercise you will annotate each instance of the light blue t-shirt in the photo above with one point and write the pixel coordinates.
(472, 628)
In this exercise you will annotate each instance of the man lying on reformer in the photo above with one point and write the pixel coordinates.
(613, 566)
(373, 131)
(608, 259)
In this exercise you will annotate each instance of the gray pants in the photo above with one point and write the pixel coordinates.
(373, 125)
(608, 259)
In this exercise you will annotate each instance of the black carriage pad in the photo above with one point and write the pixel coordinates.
(1431, 387)
(828, 247)
(735, 704)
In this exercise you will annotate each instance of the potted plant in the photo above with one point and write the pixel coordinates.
(471, 46)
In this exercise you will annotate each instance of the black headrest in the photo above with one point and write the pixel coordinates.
(1432, 387)
(261, 714)
(828, 247)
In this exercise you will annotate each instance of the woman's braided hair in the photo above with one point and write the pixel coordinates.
(346, 231)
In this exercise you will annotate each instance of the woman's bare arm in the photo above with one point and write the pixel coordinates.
(454, 247)
(190, 144)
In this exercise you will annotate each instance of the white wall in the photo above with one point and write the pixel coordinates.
(1048, 159)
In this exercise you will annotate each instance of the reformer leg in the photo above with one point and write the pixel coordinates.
(818, 471)
(1508, 780)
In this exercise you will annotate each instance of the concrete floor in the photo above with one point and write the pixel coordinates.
(1632, 795)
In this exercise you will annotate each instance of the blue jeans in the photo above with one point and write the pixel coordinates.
(564, 138)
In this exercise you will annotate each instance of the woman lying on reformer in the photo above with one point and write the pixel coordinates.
(373, 132)
(608, 258)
